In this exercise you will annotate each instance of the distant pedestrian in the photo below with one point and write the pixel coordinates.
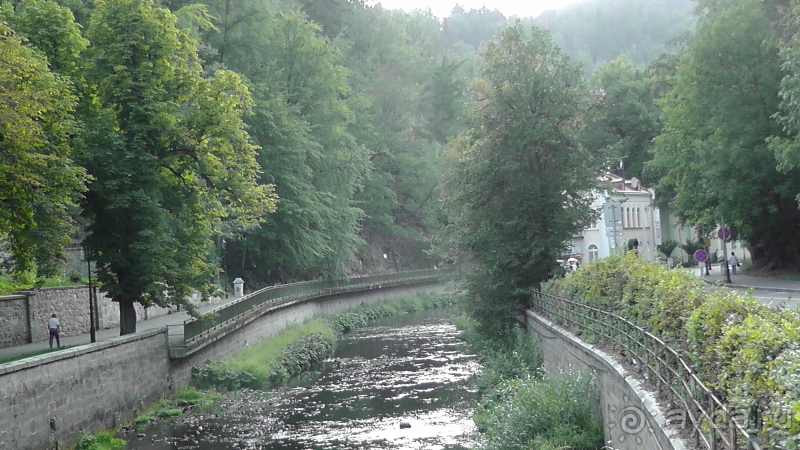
(734, 262)
(721, 261)
(54, 327)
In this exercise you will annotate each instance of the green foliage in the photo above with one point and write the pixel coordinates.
(713, 153)
(310, 350)
(104, 440)
(39, 180)
(518, 182)
(511, 356)
(218, 376)
(736, 345)
(540, 414)
(624, 119)
(169, 155)
(782, 415)
(667, 247)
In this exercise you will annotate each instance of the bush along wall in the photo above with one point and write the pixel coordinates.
(745, 351)
(520, 406)
(298, 349)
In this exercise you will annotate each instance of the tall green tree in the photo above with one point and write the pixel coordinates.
(717, 119)
(39, 181)
(625, 118)
(169, 156)
(521, 182)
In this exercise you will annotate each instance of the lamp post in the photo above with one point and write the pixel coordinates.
(92, 300)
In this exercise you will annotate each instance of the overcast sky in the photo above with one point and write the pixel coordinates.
(442, 8)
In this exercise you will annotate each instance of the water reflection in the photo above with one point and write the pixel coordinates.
(404, 383)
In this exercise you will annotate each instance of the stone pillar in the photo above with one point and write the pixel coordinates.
(238, 287)
(30, 299)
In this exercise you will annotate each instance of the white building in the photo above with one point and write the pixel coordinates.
(632, 218)
(636, 219)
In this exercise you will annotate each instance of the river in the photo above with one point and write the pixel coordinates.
(405, 382)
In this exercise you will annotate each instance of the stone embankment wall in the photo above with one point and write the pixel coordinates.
(26, 313)
(632, 419)
(80, 389)
(51, 398)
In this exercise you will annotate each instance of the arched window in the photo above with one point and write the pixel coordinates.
(638, 219)
(594, 253)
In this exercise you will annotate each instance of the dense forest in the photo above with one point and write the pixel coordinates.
(183, 143)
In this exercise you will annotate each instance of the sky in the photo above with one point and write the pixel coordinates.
(442, 8)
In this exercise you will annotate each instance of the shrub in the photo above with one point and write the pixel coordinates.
(782, 414)
(310, 350)
(104, 440)
(539, 414)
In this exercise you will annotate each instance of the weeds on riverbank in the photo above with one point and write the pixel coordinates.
(186, 398)
(103, 440)
(520, 407)
(299, 348)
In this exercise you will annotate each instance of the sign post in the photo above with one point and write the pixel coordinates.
(612, 217)
(724, 234)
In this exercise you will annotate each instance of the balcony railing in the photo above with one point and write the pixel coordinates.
(715, 426)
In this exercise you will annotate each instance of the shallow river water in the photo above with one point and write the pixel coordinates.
(402, 383)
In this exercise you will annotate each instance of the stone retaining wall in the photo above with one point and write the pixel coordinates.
(14, 320)
(26, 313)
(632, 419)
(80, 389)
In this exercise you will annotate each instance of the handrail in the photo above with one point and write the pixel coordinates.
(196, 327)
(663, 365)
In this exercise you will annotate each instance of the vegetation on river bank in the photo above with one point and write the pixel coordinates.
(520, 406)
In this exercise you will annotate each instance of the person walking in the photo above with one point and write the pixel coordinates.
(54, 327)
(734, 262)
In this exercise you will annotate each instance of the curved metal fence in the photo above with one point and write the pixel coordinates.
(714, 425)
(197, 327)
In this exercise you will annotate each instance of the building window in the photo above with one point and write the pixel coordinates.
(638, 219)
(594, 253)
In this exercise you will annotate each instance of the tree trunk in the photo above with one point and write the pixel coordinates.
(127, 317)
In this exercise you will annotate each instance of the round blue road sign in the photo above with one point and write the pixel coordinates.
(724, 233)
(700, 255)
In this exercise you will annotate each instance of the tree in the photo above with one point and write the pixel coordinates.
(169, 156)
(625, 119)
(520, 184)
(717, 119)
(39, 182)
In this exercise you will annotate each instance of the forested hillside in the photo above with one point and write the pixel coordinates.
(596, 31)
(186, 143)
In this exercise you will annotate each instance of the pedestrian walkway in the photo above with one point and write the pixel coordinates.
(745, 281)
(175, 318)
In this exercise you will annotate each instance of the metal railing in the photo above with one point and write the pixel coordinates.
(195, 328)
(715, 426)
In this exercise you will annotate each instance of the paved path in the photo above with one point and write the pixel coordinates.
(769, 291)
(176, 318)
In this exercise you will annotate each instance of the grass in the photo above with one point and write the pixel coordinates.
(36, 353)
(9, 286)
(184, 399)
(262, 358)
(102, 440)
(520, 407)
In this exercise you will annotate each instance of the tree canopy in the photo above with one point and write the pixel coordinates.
(520, 179)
